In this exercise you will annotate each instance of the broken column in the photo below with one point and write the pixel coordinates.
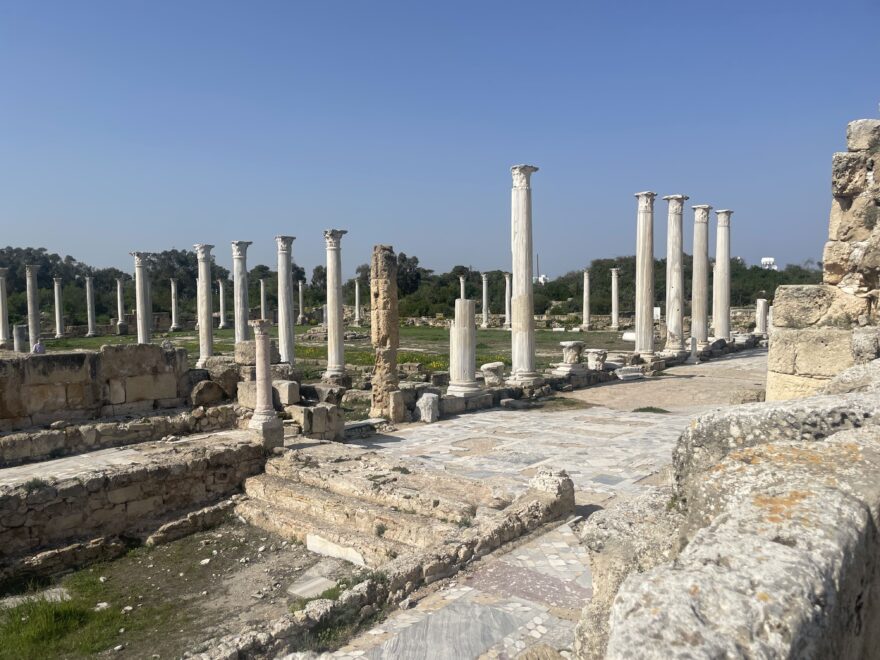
(335, 346)
(20, 339)
(264, 420)
(33, 304)
(721, 282)
(571, 364)
(301, 319)
(674, 275)
(761, 312)
(507, 301)
(485, 323)
(357, 303)
(175, 319)
(387, 399)
(615, 305)
(121, 325)
(285, 299)
(645, 275)
(141, 297)
(240, 304)
(461, 283)
(700, 284)
(5, 335)
(221, 288)
(463, 351)
(90, 307)
(264, 308)
(523, 371)
(204, 304)
(59, 311)
(585, 312)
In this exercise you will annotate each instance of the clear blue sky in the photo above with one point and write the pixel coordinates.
(148, 125)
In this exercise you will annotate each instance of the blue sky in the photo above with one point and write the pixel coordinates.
(129, 125)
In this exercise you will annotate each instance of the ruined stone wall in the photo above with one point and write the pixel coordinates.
(820, 330)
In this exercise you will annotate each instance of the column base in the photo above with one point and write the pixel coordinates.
(59, 336)
(270, 429)
(464, 389)
(300, 320)
(91, 334)
(222, 326)
(585, 328)
(564, 370)
(336, 377)
(614, 327)
(200, 363)
(174, 328)
(525, 379)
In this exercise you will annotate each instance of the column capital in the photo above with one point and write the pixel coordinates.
(522, 175)
(89, 278)
(506, 276)
(57, 280)
(586, 272)
(284, 243)
(203, 251)
(120, 280)
(239, 249)
(646, 200)
(333, 237)
(724, 217)
(140, 258)
(31, 269)
(676, 202)
(615, 271)
(485, 276)
(260, 326)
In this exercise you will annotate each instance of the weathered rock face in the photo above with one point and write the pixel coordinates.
(384, 331)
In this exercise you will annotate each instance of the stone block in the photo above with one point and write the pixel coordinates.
(122, 360)
(224, 372)
(247, 394)
(783, 349)
(301, 415)
(849, 174)
(44, 398)
(58, 368)
(245, 352)
(863, 135)
(322, 392)
(116, 391)
(823, 352)
(478, 402)
(150, 387)
(865, 344)
(451, 405)
(81, 395)
(427, 408)
(493, 373)
(802, 306)
(320, 419)
(440, 378)
(396, 407)
(287, 391)
(207, 393)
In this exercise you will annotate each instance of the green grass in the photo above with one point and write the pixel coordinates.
(650, 409)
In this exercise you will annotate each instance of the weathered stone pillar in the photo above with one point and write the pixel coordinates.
(285, 298)
(615, 302)
(335, 345)
(264, 308)
(700, 284)
(264, 420)
(674, 274)
(59, 311)
(485, 323)
(204, 304)
(386, 399)
(90, 307)
(507, 300)
(301, 318)
(761, 309)
(721, 283)
(221, 288)
(121, 325)
(645, 275)
(240, 303)
(5, 335)
(522, 300)
(141, 295)
(324, 316)
(175, 315)
(461, 282)
(33, 304)
(20, 339)
(463, 351)
(585, 320)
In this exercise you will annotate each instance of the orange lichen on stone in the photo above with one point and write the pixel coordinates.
(694, 590)
(780, 507)
(763, 596)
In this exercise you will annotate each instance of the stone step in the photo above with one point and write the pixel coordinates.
(319, 538)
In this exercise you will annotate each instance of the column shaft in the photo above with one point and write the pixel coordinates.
(485, 323)
(461, 283)
(205, 304)
(615, 302)
(33, 304)
(357, 303)
(240, 301)
(264, 308)
(700, 284)
(221, 288)
(285, 298)
(761, 308)
(463, 350)
(264, 420)
(59, 310)
(674, 274)
(507, 296)
(335, 345)
(120, 302)
(175, 318)
(585, 320)
(142, 294)
(90, 307)
(721, 285)
(5, 335)
(301, 317)
(645, 274)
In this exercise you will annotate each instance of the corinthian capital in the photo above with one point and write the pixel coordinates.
(31, 269)
(239, 249)
(334, 237)
(701, 212)
(724, 217)
(522, 175)
(676, 202)
(284, 243)
(203, 251)
(646, 200)
(140, 258)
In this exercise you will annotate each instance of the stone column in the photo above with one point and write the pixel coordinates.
(264, 308)
(301, 318)
(615, 302)
(19, 339)
(324, 316)
(33, 304)
(240, 304)
(335, 346)
(721, 283)
(141, 293)
(175, 316)
(645, 275)
(5, 335)
(264, 420)
(674, 275)
(285, 298)
(507, 301)
(121, 326)
(221, 288)
(761, 310)
(204, 304)
(90, 307)
(59, 311)
(461, 282)
(485, 323)
(357, 303)
(585, 320)
(700, 284)
(385, 335)
(522, 300)
(463, 351)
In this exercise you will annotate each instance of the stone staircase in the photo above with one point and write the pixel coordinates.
(353, 504)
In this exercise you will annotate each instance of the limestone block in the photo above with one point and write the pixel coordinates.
(247, 394)
(322, 392)
(865, 344)
(479, 401)
(44, 398)
(123, 360)
(149, 387)
(320, 418)
(245, 352)
(396, 407)
(802, 306)
(301, 415)
(836, 263)
(207, 393)
(287, 391)
(783, 386)
(54, 368)
(849, 172)
(224, 372)
(428, 408)
(859, 378)
(440, 378)
(493, 374)
(853, 219)
(783, 349)
(863, 135)
(823, 352)
(81, 395)
(116, 391)
(596, 358)
(451, 405)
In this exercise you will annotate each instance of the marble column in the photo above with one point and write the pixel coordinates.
(335, 346)
(357, 303)
(221, 288)
(507, 301)
(301, 318)
(761, 309)
(175, 314)
(585, 320)
(264, 308)
(461, 282)
(141, 293)
(90, 307)
(645, 275)
(240, 303)
(721, 282)
(19, 339)
(700, 284)
(615, 301)
(285, 298)
(674, 274)
(33, 305)
(5, 335)
(264, 420)
(522, 299)
(463, 350)
(121, 326)
(485, 323)
(59, 311)
(204, 304)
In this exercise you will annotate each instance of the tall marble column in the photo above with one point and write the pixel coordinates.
(721, 283)
(90, 307)
(301, 317)
(59, 310)
(204, 304)
(461, 282)
(240, 301)
(507, 295)
(761, 309)
(285, 298)
(142, 293)
(615, 300)
(463, 350)
(674, 274)
(522, 300)
(700, 284)
(175, 306)
(264, 308)
(221, 288)
(645, 275)
(264, 420)
(33, 304)
(485, 323)
(121, 326)
(585, 320)
(357, 303)
(5, 335)
(335, 346)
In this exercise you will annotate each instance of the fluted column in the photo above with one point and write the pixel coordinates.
(461, 282)
(285, 298)
(645, 274)
(5, 335)
(615, 300)
(463, 350)
(204, 304)
(59, 310)
(522, 299)
(90, 307)
(507, 295)
(674, 274)
(721, 283)
(357, 303)
(264, 308)
(335, 346)
(142, 293)
(33, 304)
(264, 420)
(221, 288)
(301, 317)
(585, 320)
(485, 323)
(240, 303)
(700, 284)
(761, 309)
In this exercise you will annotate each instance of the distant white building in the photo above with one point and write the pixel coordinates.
(769, 263)
(540, 279)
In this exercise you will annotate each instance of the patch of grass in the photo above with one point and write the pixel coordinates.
(650, 409)
(35, 484)
(465, 522)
